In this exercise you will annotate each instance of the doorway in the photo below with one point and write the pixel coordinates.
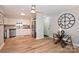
(46, 27)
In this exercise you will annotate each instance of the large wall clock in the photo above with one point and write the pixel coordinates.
(66, 20)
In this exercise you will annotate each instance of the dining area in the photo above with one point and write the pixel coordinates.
(63, 38)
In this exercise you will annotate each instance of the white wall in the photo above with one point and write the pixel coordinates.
(1, 35)
(1, 31)
(39, 26)
(42, 26)
(74, 31)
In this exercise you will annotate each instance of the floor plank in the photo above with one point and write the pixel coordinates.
(27, 44)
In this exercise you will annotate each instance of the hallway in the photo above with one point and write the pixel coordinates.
(27, 44)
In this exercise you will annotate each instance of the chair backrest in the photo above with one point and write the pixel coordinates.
(67, 38)
(61, 33)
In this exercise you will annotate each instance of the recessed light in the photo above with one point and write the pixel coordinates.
(22, 14)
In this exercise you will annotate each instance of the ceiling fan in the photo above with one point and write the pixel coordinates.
(33, 9)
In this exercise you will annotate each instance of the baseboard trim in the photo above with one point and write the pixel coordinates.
(51, 36)
(76, 45)
(1, 46)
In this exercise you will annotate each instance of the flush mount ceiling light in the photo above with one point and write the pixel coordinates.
(23, 14)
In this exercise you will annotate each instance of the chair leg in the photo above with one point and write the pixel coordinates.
(72, 45)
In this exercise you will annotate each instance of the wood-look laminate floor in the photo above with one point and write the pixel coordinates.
(27, 44)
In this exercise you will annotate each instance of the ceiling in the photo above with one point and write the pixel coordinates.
(15, 10)
(55, 9)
